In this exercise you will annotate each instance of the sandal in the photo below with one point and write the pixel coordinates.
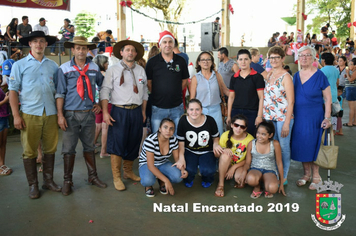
(312, 186)
(255, 195)
(346, 124)
(268, 195)
(4, 170)
(219, 192)
(303, 181)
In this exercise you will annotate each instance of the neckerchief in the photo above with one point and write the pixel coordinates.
(122, 79)
(80, 85)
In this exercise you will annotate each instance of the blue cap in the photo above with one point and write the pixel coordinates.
(6, 67)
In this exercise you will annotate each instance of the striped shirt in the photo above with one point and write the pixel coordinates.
(151, 145)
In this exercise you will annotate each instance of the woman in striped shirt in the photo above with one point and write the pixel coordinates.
(153, 161)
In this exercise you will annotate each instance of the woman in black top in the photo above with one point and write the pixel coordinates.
(246, 92)
(11, 30)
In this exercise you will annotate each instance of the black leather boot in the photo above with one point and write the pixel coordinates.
(92, 174)
(48, 165)
(31, 174)
(68, 170)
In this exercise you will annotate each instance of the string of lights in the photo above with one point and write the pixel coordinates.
(174, 22)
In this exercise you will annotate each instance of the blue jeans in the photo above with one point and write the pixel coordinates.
(4, 123)
(59, 44)
(171, 172)
(215, 112)
(285, 144)
(159, 113)
(206, 163)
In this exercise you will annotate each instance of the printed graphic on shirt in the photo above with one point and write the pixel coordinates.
(202, 137)
(238, 153)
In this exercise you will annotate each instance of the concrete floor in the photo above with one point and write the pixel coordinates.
(130, 212)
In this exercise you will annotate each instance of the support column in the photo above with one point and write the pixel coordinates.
(225, 24)
(121, 22)
(300, 19)
(352, 28)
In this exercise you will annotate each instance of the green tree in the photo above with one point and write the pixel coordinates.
(335, 12)
(85, 24)
(171, 10)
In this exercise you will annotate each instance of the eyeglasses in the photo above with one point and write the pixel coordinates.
(205, 60)
(275, 58)
(304, 55)
(170, 66)
(238, 125)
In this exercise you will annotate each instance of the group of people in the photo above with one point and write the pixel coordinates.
(16, 31)
(266, 122)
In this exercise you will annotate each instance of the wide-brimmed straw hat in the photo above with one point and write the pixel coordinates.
(36, 34)
(79, 40)
(139, 48)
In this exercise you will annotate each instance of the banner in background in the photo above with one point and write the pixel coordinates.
(43, 4)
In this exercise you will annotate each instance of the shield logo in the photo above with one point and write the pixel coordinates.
(328, 208)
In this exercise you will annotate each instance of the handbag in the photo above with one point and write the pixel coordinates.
(327, 156)
(223, 105)
(335, 108)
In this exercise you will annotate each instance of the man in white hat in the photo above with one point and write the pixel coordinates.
(34, 76)
(76, 109)
(125, 84)
(167, 75)
(41, 26)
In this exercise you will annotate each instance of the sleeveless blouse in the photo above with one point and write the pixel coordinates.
(208, 91)
(263, 161)
(275, 100)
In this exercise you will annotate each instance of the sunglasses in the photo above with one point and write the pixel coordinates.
(237, 125)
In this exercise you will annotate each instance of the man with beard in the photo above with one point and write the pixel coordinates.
(227, 67)
(125, 85)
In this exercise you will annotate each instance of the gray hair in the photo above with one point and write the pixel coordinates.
(100, 60)
(311, 49)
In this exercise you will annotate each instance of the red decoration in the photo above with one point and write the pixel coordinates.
(349, 25)
(354, 24)
(304, 16)
(231, 9)
(126, 3)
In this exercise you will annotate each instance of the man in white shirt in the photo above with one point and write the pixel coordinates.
(125, 85)
(41, 26)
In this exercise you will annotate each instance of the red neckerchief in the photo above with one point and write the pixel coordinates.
(80, 85)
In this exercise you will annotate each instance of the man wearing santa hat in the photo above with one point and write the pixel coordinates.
(167, 75)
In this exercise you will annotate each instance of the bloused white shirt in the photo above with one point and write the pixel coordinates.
(111, 89)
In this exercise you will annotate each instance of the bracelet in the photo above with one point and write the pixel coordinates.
(329, 119)
(260, 116)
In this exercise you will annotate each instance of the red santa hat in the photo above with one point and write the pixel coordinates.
(163, 35)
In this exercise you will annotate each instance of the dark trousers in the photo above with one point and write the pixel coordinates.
(124, 137)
